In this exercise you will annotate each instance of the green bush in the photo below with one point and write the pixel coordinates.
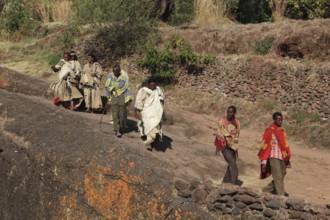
(159, 62)
(186, 54)
(183, 12)
(121, 26)
(308, 9)
(208, 59)
(52, 59)
(263, 47)
(177, 53)
(16, 18)
(254, 11)
(301, 116)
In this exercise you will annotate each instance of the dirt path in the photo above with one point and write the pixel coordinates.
(188, 153)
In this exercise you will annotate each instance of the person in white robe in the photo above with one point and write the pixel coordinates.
(149, 108)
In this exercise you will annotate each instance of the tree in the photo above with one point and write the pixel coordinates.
(278, 8)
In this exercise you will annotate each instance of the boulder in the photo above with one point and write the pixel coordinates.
(274, 204)
(296, 204)
(199, 195)
(245, 199)
(181, 185)
(185, 193)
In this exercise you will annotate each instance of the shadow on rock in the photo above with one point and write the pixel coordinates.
(162, 145)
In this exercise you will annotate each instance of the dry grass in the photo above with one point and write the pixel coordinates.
(53, 10)
(312, 37)
(210, 13)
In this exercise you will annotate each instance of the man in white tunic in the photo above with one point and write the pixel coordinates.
(149, 112)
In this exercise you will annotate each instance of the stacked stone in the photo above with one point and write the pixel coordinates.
(244, 203)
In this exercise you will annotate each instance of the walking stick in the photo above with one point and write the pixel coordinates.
(105, 107)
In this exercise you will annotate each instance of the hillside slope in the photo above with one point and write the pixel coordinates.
(62, 164)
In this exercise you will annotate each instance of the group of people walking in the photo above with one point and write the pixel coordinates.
(274, 153)
(76, 84)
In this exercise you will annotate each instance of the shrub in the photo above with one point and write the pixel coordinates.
(183, 12)
(52, 59)
(263, 47)
(121, 26)
(308, 9)
(68, 36)
(162, 62)
(186, 54)
(301, 116)
(16, 18)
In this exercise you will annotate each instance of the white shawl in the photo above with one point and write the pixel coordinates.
(152, 111)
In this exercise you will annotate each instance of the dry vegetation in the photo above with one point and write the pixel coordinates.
(210, 12)
(53, 10)
(311, 38)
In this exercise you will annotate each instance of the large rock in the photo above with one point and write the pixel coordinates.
(181, 185)
(269, 212)
(296, 204)
(245, 199)
(213, 196)
(199, 195)
(274, 204)
(256, 206)
(228, 189)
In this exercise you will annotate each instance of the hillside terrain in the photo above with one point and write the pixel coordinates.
(61, 164)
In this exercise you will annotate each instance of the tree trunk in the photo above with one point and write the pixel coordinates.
(165, 8)
(278, 7)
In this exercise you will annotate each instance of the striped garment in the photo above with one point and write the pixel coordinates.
(275, 151)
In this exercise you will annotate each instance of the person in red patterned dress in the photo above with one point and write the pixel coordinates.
(275, 156)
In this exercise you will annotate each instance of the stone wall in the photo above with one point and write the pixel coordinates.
(292, 84)
(228, 200)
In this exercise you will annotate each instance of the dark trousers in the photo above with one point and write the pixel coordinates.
(278, 169)
(231, 174)
(117, 109)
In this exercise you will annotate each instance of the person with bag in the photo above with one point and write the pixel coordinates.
(275, 156)
(227, 142)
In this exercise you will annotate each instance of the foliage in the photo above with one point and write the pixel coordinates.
(208, 59)
(308, 9)
(121, 26)
(301, 117)
(183, 12)
(17, 18)
(68, 36)
(52, 59)
(263, 47)
(253, 11)
(186, 54)
(162, 62)
(159, 62)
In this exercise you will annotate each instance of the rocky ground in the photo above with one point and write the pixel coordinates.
(59, 164)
